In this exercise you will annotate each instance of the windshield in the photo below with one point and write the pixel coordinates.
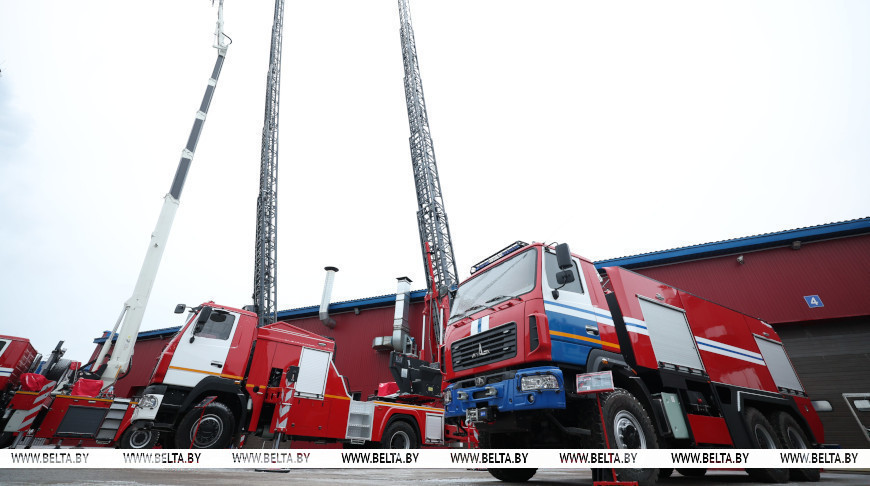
(506, 280)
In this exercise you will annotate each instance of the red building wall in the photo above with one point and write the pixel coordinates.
(146, 352)
(354, 357)
(771, 284)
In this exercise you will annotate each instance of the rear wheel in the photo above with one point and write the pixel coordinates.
(139, 438)
(792, 436)
(762, 436)
(206, 428)
(399, 435)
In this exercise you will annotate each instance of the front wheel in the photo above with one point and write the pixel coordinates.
(206, 428)
(399, 435)
(139, 438)
(628, 426)
(519, 475)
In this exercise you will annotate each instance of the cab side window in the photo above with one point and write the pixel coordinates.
(551, 268)
(219, 326)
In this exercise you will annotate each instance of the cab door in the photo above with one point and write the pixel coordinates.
(572, 320)
(203, 349)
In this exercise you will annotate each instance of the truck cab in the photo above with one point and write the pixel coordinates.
(513, 313)
(222, 376)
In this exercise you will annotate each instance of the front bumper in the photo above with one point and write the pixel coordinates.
(505, 395)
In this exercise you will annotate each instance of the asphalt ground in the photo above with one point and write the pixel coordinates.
(380, 477)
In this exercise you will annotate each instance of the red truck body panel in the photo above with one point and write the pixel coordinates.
(16, 356)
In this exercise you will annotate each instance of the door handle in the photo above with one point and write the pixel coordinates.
(217, 364)
(592, 330)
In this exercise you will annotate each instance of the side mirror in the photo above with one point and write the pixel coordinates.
(563, 256)
(179, 309)
(204, 314)
(565, 277)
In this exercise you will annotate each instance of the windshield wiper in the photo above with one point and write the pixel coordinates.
(467, 312)
(501, 297)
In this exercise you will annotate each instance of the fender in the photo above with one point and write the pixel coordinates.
(212, 386)
(595, 361)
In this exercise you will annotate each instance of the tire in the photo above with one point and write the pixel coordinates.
(520, 475)
(56, 372)
(628, 426)
(400, 435)
(216, 425)
(763, 436)
(139, 438)
(503, 441)
(690, 472)
(792, 436)
(6, 439)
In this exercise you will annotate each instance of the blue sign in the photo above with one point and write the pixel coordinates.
(813, 301)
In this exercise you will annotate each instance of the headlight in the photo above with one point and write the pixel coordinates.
(447, 396)
(148, 401)
(539, 382)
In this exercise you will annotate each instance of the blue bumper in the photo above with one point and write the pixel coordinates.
(507, 395)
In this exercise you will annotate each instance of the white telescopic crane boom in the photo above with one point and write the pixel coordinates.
(130, 320)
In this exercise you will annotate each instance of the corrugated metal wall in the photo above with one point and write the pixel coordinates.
(363, 367)
(771, 284)
(831, 359)
(146, 352)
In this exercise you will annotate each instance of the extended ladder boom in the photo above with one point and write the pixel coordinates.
(130, 320)
(266, 254)
(435, 239)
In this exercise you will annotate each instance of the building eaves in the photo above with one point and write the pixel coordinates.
(348, 305)
(746, 243)
(166, 331)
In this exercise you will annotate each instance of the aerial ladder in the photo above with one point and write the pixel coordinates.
(435, 241)
(127, 326)
(266, 254)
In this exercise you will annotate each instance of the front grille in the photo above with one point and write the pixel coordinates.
(487, 347)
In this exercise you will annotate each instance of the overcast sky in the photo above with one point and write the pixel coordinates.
(618, 127)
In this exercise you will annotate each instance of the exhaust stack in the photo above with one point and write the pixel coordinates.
(327, 296)
(401, 339)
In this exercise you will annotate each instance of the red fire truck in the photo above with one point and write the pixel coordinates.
(17, 356)
(534, 325)
(222, 377)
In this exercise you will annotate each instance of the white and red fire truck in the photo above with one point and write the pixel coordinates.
(222, 377)
(534, 326)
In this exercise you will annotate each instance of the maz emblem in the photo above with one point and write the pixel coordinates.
(480, 351)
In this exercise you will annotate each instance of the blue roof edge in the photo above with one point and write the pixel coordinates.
(347, 305)
(756, 242)
(143, 334)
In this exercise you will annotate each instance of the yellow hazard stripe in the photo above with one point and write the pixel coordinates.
(418, 407)
(79, 397)
(584, 338)
(222, 375)
(337, 397)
